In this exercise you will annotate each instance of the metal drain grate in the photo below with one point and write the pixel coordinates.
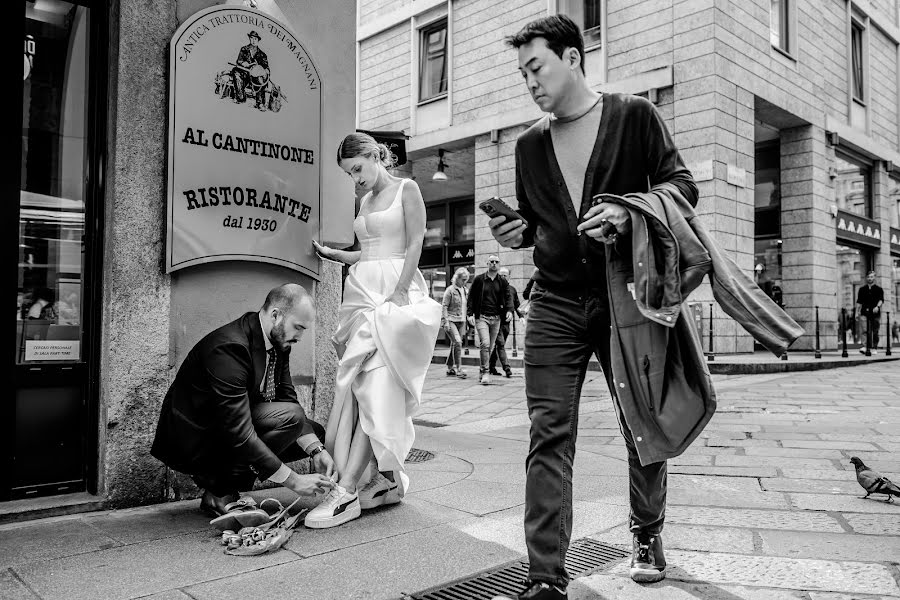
(417, 456)
(584, 557)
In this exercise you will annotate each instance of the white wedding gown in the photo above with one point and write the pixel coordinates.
(384, 349)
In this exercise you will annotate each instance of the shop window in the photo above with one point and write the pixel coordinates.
(852, 266)
(433, 61)
(588, 14)
(857, 68)
(435, 225)
(463, 219)
(767, 214)
(853, 185)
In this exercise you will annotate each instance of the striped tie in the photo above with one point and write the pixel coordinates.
(269, 393)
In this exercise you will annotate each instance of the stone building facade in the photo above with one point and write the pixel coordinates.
(786, 111)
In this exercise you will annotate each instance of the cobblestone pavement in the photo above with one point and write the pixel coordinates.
(764, 505)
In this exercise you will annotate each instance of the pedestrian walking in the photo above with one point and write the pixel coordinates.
(571, 192)
(869, 299)
(487, 303)
(499, 351)
(454, 320)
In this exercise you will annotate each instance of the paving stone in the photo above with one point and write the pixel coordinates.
(745, 443)
(753, 518)
(603, 586)
(884, 524)
(11, 588)
(769, 435)
(771, 461)
(594, 488)
(831, 596)
(820, 474)
(677, 536)
(810, 486)
(422, 480)
(692, 460)
(491, 456)
(843, 504)
(168, 595)
(829, 546)
(412, 514)
(869, 436)
(829, 445)
(795, 453)
(25, 543)
(475, 497)
(143, 524)
(380, 570)
(140, 569)
(778, 572)
(726, 471)
(708, 491)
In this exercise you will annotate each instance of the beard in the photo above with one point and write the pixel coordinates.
(278, 337)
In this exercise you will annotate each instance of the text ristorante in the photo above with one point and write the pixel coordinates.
(239, 196)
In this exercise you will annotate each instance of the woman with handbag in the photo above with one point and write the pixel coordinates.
(453, 320)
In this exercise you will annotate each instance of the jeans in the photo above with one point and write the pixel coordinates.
(499, 350)
(562, 334)
(456, 331)
(278, 425)
(487, 328)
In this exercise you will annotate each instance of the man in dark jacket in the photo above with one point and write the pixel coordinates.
(499, 351)
(560, 166)
(250, 56)
(487, 302)
(232, 415)
(868, 305)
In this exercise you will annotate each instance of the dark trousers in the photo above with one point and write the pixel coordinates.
(562, 333)
(873, 323)
(499, 350)
(241, 79)
(278, 425)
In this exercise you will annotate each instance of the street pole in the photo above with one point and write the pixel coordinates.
(515, 346)
(712, 355)
(818, 353)
(844, 332)
(887, 346)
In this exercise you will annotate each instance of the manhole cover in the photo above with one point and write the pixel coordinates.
(416, 456)
(585, 556)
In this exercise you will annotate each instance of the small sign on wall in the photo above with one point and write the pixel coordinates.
(245, 128)
(43, 350)
(736, 176)
(702, 171)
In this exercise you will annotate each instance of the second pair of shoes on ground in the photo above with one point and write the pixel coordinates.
(340, 505)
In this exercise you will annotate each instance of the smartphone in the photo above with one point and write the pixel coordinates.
(495, 207)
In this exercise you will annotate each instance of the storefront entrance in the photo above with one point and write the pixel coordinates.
(52, 246)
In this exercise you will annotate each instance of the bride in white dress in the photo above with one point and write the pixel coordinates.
(385, 338)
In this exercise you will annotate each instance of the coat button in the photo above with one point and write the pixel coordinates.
(640, 264)
(621, 385)
(584, 261)
(668, 318)
(639, 439)
(579, 233)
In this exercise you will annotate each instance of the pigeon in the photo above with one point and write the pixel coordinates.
(874, 482)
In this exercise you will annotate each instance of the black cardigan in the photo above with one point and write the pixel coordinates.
(633, 152)
(473, 304)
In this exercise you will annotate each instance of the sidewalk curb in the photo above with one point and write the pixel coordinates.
(721, 366)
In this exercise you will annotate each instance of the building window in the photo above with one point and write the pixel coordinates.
(852, 266)
(433, 61)
(779, 24)
(853, 185)
(857, 67)
(588, 14)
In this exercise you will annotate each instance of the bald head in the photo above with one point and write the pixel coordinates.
(286, 314)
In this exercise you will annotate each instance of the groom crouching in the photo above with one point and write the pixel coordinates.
(232, 415)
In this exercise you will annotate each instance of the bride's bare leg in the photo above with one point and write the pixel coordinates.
(358, 460)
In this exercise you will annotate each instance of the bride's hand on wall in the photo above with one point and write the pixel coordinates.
(324, 251)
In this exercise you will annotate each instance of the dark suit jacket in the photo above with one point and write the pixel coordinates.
(205, 423)
(473, 304)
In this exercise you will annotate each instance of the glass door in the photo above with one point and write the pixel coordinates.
(53, 440)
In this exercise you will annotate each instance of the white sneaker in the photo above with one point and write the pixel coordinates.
(873, 351)
(485, 378)
(379, 491)
(338, 507)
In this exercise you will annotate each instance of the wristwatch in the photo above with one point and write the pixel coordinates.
(316, 450)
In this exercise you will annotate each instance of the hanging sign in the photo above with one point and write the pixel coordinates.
(245, 129)
(856, 229)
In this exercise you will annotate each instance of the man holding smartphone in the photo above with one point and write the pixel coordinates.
(586, 144)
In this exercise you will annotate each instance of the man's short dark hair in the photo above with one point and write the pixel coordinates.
(872, 272)
(560, 31)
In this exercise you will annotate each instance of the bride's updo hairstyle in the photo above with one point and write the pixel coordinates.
(363, 144)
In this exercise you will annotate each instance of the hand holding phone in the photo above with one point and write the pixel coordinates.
(495, 207)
